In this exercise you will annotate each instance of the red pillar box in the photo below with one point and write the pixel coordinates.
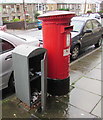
(57, 39)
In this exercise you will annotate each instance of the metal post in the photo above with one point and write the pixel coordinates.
(24, 14)
(85, 6)
(43, 82)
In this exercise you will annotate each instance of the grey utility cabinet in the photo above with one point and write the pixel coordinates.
(30, 72)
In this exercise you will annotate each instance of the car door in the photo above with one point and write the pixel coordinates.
(87, 36)
(97, 32)
(6, 62)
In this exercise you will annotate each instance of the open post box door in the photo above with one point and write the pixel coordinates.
(29, 63)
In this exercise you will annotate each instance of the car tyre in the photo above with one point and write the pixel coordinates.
(75, 52)
(99, 43)
(39, 28)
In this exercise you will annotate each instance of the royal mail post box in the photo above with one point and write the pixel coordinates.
(57, 40)
(29, 64)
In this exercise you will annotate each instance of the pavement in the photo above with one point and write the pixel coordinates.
(85, 99)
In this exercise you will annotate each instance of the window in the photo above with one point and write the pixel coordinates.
(19, 17)
(12, 8)
(96, 24)
(77, 25)
(4, 6)
(40, 7)
(5, 46)
(5, 18)
(36, 7)
(17, 8)
(13, 17)
(88, 26)
(43, 7)
(4, 9)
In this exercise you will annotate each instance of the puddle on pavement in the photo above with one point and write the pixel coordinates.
(56, 108)
(59, 107)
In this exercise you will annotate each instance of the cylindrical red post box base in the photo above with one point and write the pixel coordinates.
(58, 87)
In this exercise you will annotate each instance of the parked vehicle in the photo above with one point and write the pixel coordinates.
(86, 32)
(7, 43)
(93, 15)
(39, 24)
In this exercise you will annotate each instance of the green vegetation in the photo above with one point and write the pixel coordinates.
(101, 11)
(67, 9)
(36, 15)
(89, 11)
(16, 20)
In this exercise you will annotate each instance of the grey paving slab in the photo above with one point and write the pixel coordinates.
(90, 85)
(57, 108)
(74, 76)
(97, 53)
(85, 65)
(99, 66)
(74, 112)
(97, 110)
(83, 99)
(95, 74)
(93, 58)
(82, 67)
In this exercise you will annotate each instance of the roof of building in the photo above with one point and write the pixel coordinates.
(51, 1)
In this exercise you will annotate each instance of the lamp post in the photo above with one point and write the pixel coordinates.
(24, 11)
(1, 23)
(85, 6)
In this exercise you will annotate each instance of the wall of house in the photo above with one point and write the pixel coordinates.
(13, 10)
(1, 23)
(51, 7)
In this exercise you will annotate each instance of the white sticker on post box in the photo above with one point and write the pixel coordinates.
(68, 40)
(66, 52)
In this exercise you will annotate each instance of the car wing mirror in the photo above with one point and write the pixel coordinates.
(87, 31)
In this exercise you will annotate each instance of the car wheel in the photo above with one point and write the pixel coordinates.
(75, 52)
(39, 28)
(99, 42)
(11, 83)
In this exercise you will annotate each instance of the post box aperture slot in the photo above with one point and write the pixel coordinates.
(68, 28)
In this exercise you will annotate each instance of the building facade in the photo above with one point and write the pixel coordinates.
(1, 22)
(101, 6)
(28, 9)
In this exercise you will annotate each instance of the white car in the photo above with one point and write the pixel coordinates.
(93, 15)
(7, 43)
